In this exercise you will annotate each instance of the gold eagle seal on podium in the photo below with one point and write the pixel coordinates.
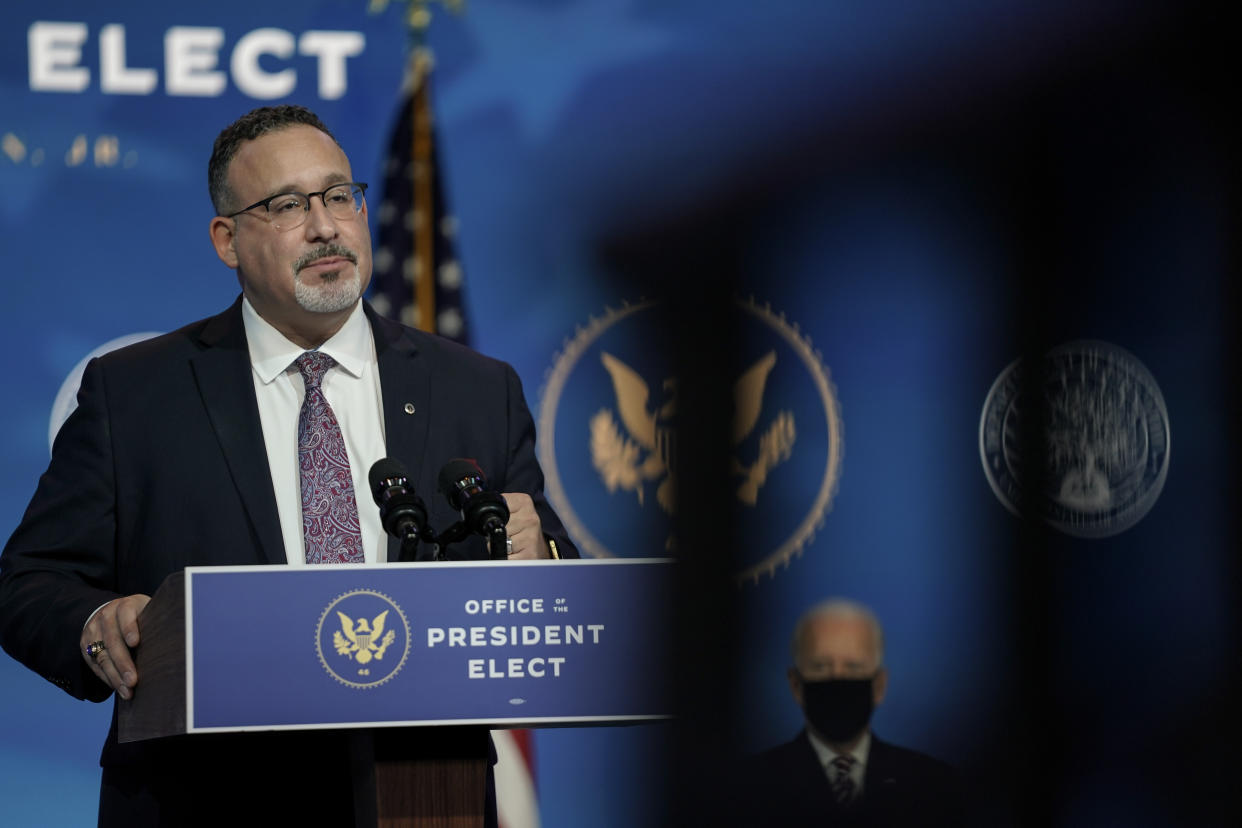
(355, 649)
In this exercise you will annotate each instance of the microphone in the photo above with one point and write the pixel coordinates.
(483, 511)
(401, 510)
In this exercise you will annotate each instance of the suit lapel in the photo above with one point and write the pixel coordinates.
(222, 370)
(405, 382)
(807, 779)
(881, 774)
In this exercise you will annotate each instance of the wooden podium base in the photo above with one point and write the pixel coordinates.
(404, 781)
(429, 794)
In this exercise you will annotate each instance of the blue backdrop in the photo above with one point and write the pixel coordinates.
(894, 183)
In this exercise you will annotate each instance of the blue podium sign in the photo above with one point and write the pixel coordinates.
(508, 644)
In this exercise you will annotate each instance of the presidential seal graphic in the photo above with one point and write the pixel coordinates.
(608, 426)
(363, 638)
(1082, 443)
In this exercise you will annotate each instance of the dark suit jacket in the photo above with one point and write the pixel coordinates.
(163, 466)
(787, 786)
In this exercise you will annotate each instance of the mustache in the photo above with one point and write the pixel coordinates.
(324, 251)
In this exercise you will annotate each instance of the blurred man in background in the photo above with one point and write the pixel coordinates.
(836, 771)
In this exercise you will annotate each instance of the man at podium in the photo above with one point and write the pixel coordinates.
(246, 438)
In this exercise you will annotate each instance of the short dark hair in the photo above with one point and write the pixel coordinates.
(248, 127)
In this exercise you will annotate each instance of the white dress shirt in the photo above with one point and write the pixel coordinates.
(351, 387)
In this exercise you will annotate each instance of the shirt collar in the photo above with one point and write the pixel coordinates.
(827, 754)
(271, 354)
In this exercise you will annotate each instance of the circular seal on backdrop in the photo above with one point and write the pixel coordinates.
(1103, 433)
(607, 425)
(67, 396)
(363, 639)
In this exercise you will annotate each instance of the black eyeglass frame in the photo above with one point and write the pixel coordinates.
(306, 199)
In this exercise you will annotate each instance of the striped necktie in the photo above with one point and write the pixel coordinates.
(843, 787)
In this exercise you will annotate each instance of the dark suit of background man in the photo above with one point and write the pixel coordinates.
(836, 771)
(183, 452)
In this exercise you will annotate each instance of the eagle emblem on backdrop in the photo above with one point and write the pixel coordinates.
(643, 452)
(363, 638)
(608, 425)
(1078, 439)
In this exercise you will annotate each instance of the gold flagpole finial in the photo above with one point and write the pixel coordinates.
(418, 15)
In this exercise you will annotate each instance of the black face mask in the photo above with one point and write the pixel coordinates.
(839, 709)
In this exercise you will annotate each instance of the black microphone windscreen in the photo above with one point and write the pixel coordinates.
(386, 468)
(457, 469)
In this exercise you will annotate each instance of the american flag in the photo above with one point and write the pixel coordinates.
(419, 281)
(417, 275)
(517, 799)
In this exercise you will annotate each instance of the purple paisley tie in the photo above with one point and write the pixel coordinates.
(329, 510)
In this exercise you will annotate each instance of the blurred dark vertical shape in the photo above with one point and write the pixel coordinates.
(1224, 69)
(1212, 50)
(1036, 725)
(691, 265)
(706, 612)
(1229, 765)
(1200, 54)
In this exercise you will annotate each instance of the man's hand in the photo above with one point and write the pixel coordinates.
(116, 625)
(525, 530)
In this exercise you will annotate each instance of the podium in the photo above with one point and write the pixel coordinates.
(461, 647)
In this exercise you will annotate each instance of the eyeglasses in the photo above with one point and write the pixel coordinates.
(289, 210)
